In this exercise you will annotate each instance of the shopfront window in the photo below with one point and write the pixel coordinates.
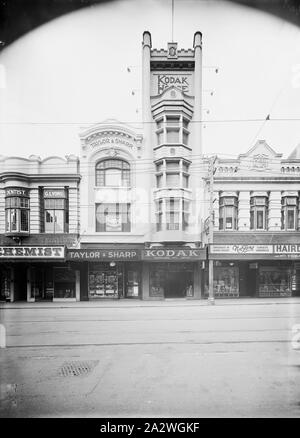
(17, 210)
(157, 281)
(42, 286)
(64, 283)
(228, 213)
(289, 213)
(56, 211)
(113, 218)
(275, 281)
(258, 213)
(104, 280)
(5, 282)
(226, 281)
(113, 173)
(172, 280)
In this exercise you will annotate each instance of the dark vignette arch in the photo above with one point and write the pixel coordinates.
(17, 17)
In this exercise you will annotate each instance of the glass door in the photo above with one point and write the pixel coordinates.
(132, 283)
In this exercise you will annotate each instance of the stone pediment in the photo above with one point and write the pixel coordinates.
(260, 157)
(110, 135)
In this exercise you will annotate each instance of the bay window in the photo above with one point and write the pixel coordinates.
(172, 129)
(258, 212)
(228, 213)
(172, 173)
(176, 213)
(17, 210)
(289, 213)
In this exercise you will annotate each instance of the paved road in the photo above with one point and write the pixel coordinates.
(170, 360)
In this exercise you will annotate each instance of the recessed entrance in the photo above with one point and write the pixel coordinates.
(172, 280)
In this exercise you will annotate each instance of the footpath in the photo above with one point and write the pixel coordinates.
(161, 303)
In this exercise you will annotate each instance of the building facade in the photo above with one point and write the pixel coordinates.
(39, 207)
(128, 218)
(256, 244)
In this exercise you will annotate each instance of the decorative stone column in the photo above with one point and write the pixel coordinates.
(216, 211)
(244, 211)
(274, 211)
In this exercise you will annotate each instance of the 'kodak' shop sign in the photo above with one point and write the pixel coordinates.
(169, 254)
(32, 252)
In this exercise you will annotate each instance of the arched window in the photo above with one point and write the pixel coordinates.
(113, 173)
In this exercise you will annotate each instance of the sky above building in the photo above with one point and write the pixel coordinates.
(72, 72)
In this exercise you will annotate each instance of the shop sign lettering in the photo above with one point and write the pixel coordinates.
(17, 192)
(241, 249)
(99, 254)
(166, 81)
(28, 252)
(54, 193)
(287, 249)
(111, 140)
(173, 254)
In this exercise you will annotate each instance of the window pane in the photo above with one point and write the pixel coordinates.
(221, 223)
(291, 219)
(7, 220)
(59, 204)
(173, 121)
(49, 221)
(159, 166)
(260, 220)
(113, 177)
(24, 202)
(185, 221)
(185, 166)
(251, 219)
(160, 138)
(159, 222)
(15, 202)
(59, 221)
(159, 180)
(172, 165)
(185, 123)
(185, 138)
(24, 220)
(185, 180)
(172, 179)
(14, 220)
(113, 217)
(172, 136)
(100, 177)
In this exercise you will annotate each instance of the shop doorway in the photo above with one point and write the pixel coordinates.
(42, 288)
(132, 287)
(172, 280)
(177, 284)
(20, 283)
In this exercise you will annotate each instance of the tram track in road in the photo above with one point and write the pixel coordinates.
(147, 319)
(118, 344)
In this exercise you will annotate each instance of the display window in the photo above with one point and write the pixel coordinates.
(275, 281)
(64, 280)
(5, 281)
(226, 282)
(105, 280)
(171, 280)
